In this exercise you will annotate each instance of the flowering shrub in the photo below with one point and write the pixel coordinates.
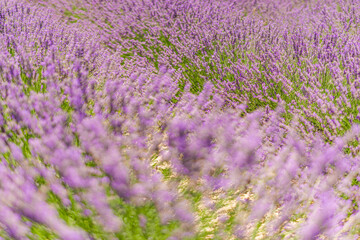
(179, 119)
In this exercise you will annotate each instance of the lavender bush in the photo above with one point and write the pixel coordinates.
(179, 119)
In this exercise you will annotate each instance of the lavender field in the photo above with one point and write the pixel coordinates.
(179, 119)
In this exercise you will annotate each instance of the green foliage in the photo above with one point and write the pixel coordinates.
(40, 232)
(132, 228)
(33, 84)
(74, 216)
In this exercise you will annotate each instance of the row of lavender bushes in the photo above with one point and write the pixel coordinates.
(179, 119)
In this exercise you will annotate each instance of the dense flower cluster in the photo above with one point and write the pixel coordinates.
(201, 119)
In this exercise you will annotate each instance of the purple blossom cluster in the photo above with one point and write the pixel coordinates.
(234, 119)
